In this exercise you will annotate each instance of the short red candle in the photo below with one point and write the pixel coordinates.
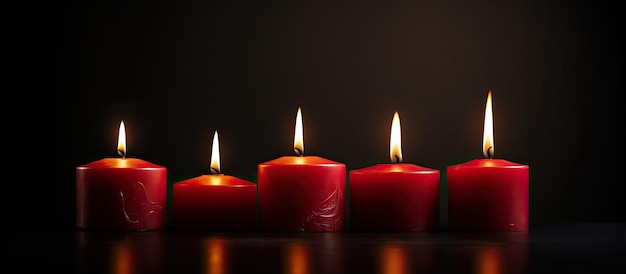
(214, 202)
(121, 193)
(304, 194)
(488, 194)
(301, 193)
(396, 197)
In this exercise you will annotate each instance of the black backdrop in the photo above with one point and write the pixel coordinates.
(176, 72)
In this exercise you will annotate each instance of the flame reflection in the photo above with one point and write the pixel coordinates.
(393, 259)
(216, 256)
(120, 253)
(298, 259)
(489, 260)
(123, 259)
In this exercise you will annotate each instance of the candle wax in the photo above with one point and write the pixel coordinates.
(488, 195)
(121, 194)
(215, 202)
(301, 194)
(394, 197)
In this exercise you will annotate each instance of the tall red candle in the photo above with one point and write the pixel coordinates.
(395, 197)
(121, 193)
(301, 193)
(488, 194)
(215, 202)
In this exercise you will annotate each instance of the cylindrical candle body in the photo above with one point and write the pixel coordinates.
(214, 202)
(121, 194)
(301, 194)
(394, 198)
(488, 195)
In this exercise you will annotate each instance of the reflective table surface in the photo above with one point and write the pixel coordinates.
(553, 248)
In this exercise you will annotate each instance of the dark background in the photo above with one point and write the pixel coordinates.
(176, 72)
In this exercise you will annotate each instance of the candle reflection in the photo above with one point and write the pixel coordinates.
(493, 253)
(123, 259)
(489, 260)
(298, 259)
(216, 256)
(120, 253)
(393, 259)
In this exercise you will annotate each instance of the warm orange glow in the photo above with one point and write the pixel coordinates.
(298, 140)
(216, 256)
(396, 168)
(121, 140)
(300, 160)
(123, 260)
(395, 142)
(215, 155)
(488, 144)
(215, 180)
(393, 260)
(298, 259)
(489, 261)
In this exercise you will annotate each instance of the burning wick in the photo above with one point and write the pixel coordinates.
(396, 159)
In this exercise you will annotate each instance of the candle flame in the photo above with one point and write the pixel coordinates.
(298, 140)
(395, 146)
(215, 155)
(121, 140)
(488, 144)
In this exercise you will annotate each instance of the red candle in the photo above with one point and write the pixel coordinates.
(488, 194)
(121, 193)
(301, 193)
(396, 197)
(215, 202)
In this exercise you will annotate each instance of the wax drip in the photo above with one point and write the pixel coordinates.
(134, 203)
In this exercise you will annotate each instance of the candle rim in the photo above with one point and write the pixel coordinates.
(502, 163)
(102, 164)
(319, 161)
(417, 169)
(232, 181)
